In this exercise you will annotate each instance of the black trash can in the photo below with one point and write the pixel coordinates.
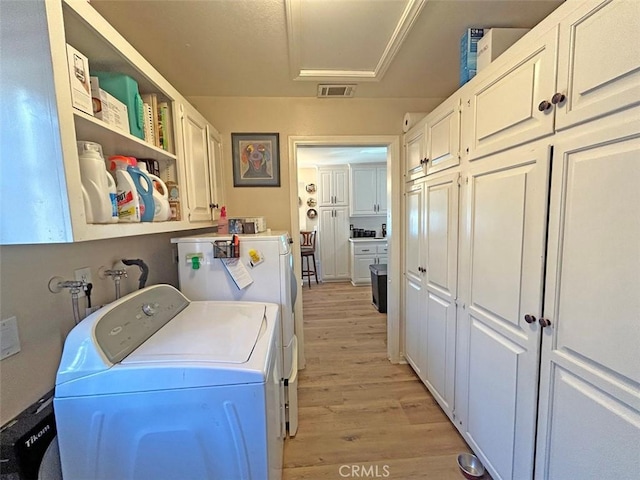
(379, 286)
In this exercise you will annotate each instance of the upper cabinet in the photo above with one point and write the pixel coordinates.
(44, 173)
(414, 152)
(598, 73)
(368, 194)
(513, 106)
(433, 144)
(333, 186)
(203, 166)
(575, 72)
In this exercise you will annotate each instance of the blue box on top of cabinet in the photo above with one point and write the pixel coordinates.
(469, 53)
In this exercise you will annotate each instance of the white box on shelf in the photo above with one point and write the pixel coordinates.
(494, 43)
(79, 80)
(108, 108)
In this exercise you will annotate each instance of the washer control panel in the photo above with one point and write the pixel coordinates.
(126, 326)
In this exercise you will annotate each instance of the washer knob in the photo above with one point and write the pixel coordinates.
(148, 310)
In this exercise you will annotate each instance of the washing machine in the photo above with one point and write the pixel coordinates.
(157, 386)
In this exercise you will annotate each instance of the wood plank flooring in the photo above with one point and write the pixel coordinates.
(359, 415)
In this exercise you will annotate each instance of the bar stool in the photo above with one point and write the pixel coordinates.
(308, 252)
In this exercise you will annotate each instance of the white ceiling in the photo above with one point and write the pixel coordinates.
(390, 48)
(311, 155)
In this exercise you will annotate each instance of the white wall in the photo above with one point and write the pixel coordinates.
(44, 318)
(307, 176)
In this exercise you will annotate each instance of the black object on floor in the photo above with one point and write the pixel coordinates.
(379, 286)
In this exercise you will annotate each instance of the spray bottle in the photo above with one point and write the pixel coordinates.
(223, 223)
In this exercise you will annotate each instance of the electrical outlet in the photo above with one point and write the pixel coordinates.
(83, 274)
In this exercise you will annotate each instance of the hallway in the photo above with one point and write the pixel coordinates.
(360, 416)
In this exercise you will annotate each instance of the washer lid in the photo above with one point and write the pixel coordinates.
(205, 332)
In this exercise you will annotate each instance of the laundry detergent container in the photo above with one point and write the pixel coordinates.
(125, 89)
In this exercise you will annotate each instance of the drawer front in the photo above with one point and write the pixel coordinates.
(382, 249)
(364, 249)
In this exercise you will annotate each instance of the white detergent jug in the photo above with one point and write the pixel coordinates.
(162, 211)
(98, 187)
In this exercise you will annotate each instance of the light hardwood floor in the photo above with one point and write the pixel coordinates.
(358, 412)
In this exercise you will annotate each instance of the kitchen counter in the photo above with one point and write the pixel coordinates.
(367, 239)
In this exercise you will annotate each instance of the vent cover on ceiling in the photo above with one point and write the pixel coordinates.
(332, 91)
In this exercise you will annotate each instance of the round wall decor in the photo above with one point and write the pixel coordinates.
(311, 213)
(311, 188)
(311, 202)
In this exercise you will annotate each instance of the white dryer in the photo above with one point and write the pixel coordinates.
(156, 386)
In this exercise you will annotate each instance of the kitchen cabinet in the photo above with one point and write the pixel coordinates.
(433, 144)
(333, 188)
(45, 181)
(363, 254)
(368, 193)
(333, 240)
(202, 160)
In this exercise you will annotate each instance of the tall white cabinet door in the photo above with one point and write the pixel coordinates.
(341, 235)
(215, 171)
(381, 189)
(196, 156)
(414, 276)
(589, 421)
(600, 61)
(341, 187)
(505, 216)
(443, 134)
(507, 109)
(326, 234)
(441, 252)
(325, 190)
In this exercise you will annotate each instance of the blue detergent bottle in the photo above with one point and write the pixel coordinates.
(144, 186)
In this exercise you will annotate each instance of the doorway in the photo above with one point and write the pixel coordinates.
(369, 146)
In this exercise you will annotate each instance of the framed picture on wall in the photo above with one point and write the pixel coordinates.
(256, 159)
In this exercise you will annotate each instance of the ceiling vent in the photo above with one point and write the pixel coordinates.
(334, 91)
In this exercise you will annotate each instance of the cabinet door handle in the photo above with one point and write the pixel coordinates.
(530, 318)
(544, 322)
(544, 105)
(558, 98)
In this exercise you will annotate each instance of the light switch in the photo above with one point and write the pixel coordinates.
(9, 340)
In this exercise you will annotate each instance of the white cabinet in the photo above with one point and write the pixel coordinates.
(368, 193)
(581, 69)
(503, 248)
(513, 105)
(433, 144)
(333, 239)
(431, 282)
(598, 61)
(414, 152)
(333, 188)
(216, 172)
(547, 259)
(201, 144)
(363, 254)
(414, 324)
(44, 127)
(589, 411)
(443, 137)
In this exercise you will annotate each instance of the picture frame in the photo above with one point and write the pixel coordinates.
(256, 159)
